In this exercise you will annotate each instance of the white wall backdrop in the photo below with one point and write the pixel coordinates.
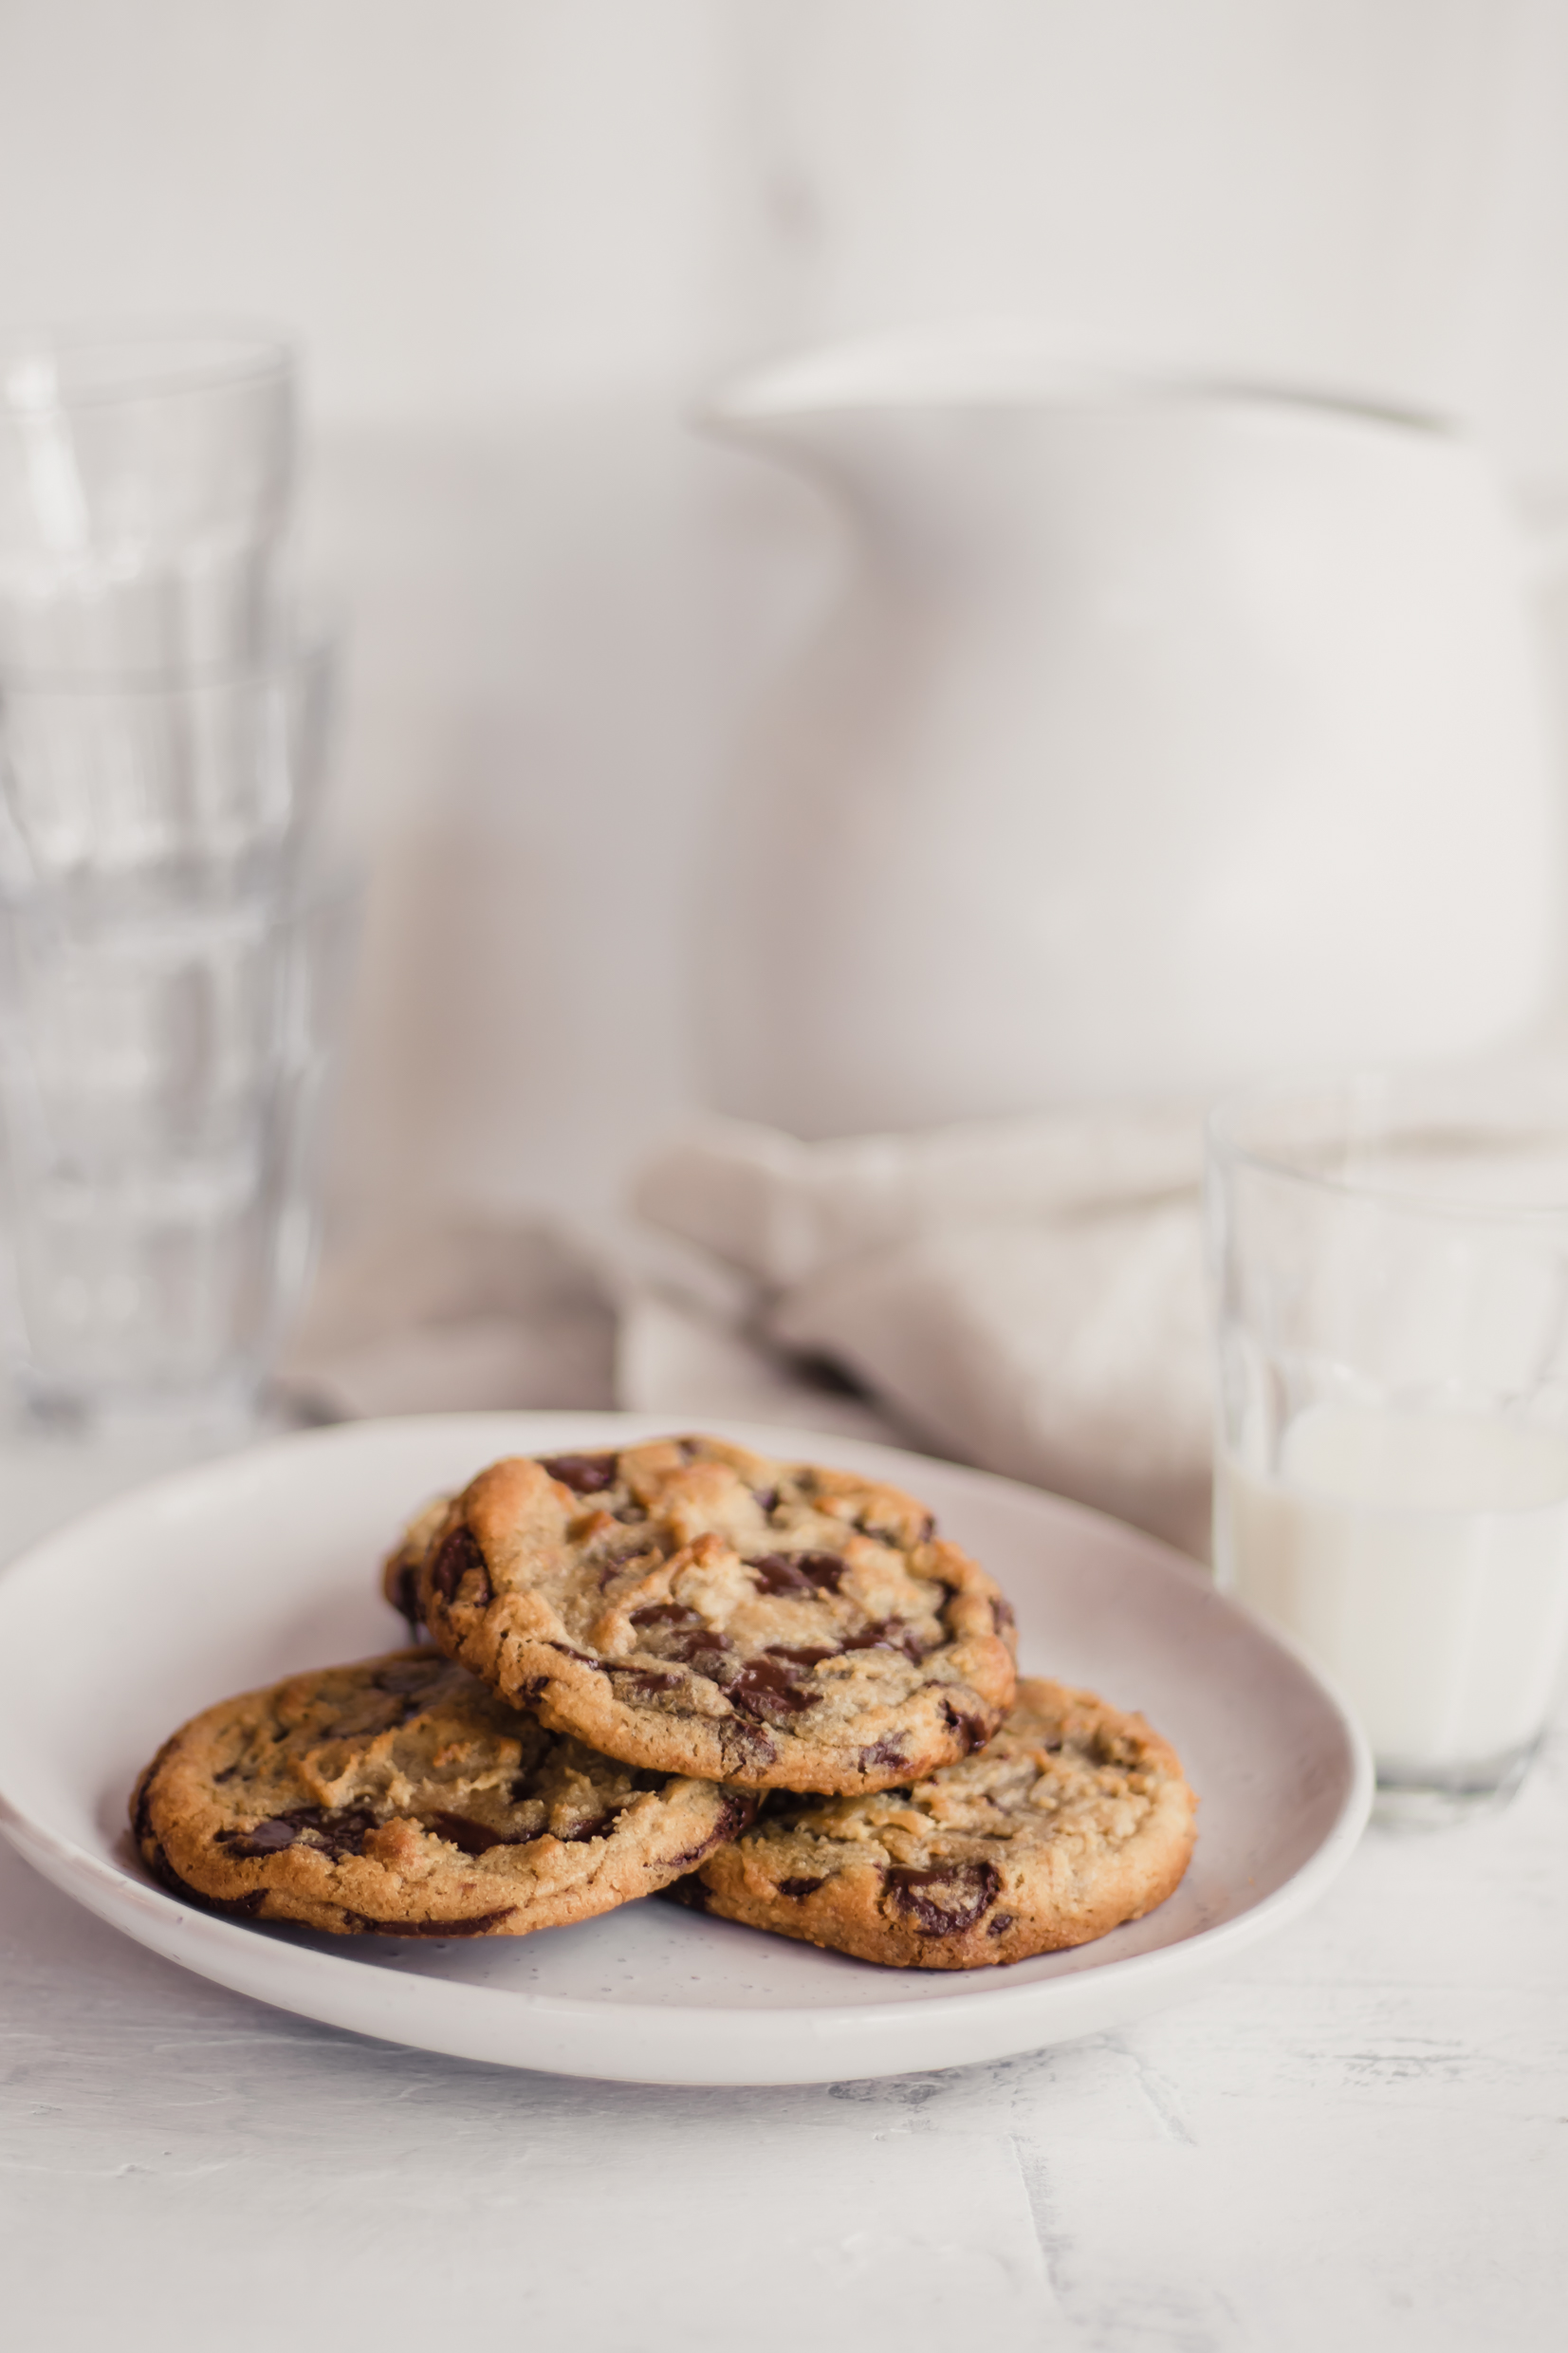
(516, 237)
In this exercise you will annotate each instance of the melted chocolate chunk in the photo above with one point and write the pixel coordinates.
(643, 1682)
(745, 1743)
(335, 1831)
(683, 1634)
(888, 1634)
(600, 1827)
(471, 1836)
(405, 1596)
(800, 1888)
(768, 1686)
(268, 1837)
(690, 1892)
(947, 1901)
(586, 1475)
(806, 1655)
(883, 1754)
(582, 1656)
(475, 1925)
(228, 1773)
(796, 1572)
(235, 1907)
(1000, 1925)
(737, 1812)
(1001, 1615)
(458, 1556)
(766, 1500)
(971, 1727)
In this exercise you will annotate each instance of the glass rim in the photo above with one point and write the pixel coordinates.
(1227, 1146)
(234, 353)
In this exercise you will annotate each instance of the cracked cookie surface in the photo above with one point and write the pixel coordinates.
(1074, 1818)
(689, 1606)
(402, 1796)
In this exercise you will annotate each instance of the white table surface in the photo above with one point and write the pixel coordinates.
(1360, 2141)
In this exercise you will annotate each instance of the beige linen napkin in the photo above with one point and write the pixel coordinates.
(1024, 1294)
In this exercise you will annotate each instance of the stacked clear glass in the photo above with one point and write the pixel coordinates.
(170, 955)
(1391, 1263)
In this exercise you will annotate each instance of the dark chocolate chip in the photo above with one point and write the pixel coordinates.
(643, 1682)
(335, 1831)
(973, 1728)
(228, 1773)
(471, 1836)
(475, 1925)
(737, 1812)
(267, 1838)
(405, 1595)
(683, 1634)
(1000, 1925)
(235, 1907)
(746, 1745)
(581, 1656)
(690, 1892)
(1001, 1615)
(928, 1527)
(766, 1500)
(800, 1888)
(600, 1827)
(887, 1634)
(805, 1655)
(769, 1686)
(946, 1901)
(586, 1475)
(458, 1556)
(882, 1756)
(796, 1572)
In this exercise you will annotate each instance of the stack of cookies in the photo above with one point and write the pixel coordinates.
(769, 1688)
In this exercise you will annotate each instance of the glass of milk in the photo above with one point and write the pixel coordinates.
(1389, 1254)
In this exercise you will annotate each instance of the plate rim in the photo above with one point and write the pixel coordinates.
(996, 2012)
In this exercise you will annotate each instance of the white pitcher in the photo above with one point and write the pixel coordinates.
(1162, 734)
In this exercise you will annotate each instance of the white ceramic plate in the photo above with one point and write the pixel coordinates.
(226, 1577)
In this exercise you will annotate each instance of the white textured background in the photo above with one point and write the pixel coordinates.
(515, 238)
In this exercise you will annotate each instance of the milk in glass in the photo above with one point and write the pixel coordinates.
(1422, 1558)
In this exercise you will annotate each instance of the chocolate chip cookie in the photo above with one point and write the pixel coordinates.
(1073, 1818)
(403, 1796)
(690, 1607)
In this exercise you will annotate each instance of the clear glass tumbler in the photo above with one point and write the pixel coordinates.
(162, 778)
(145, 479)
(1390, 1262)
(161, 1070)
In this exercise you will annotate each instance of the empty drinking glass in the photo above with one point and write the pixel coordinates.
(146, 477)
(161, 1067)
(105, 779)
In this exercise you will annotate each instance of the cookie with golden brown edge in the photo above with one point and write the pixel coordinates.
(692, 1607)
(1073, 1818)
(403, 1796)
